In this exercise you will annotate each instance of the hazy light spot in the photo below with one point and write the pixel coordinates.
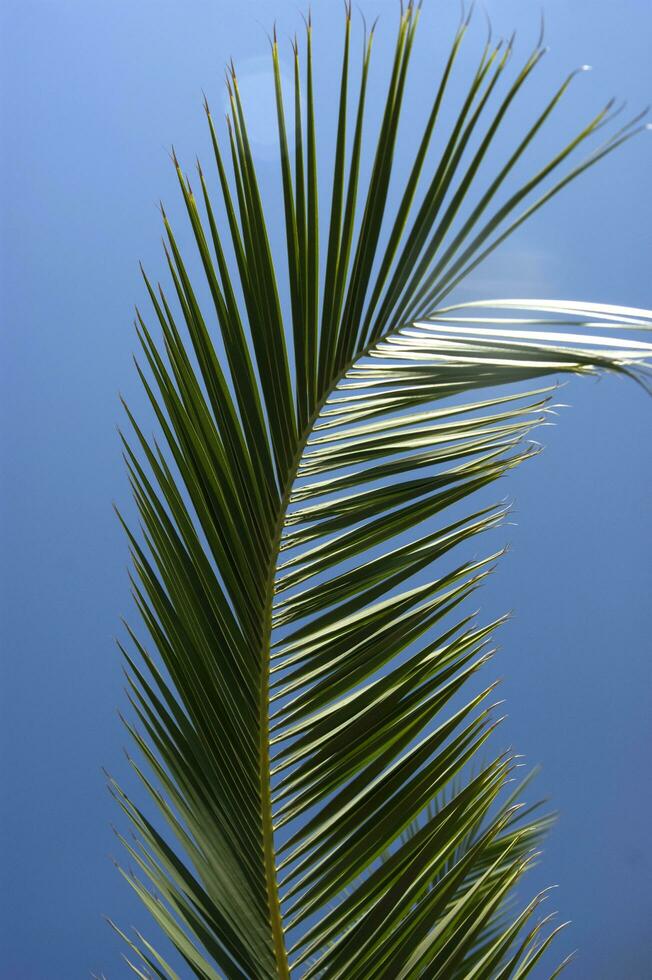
(256, 85)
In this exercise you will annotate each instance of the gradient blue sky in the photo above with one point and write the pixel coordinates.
(92, 96)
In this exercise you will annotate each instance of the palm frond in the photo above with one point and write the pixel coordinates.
(309, 740)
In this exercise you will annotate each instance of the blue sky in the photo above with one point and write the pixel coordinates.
(93, 96)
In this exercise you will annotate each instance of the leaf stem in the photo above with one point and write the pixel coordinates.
(274, 905)
(273, 901)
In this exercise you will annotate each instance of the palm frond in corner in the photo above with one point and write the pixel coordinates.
(305, 696)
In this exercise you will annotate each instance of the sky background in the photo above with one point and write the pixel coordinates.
(93, 94)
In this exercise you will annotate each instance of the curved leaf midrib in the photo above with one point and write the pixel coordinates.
(269, 849)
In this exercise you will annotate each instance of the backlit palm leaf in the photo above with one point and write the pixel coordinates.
(306, 729)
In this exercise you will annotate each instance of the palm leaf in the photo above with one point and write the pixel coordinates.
(308, 738)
